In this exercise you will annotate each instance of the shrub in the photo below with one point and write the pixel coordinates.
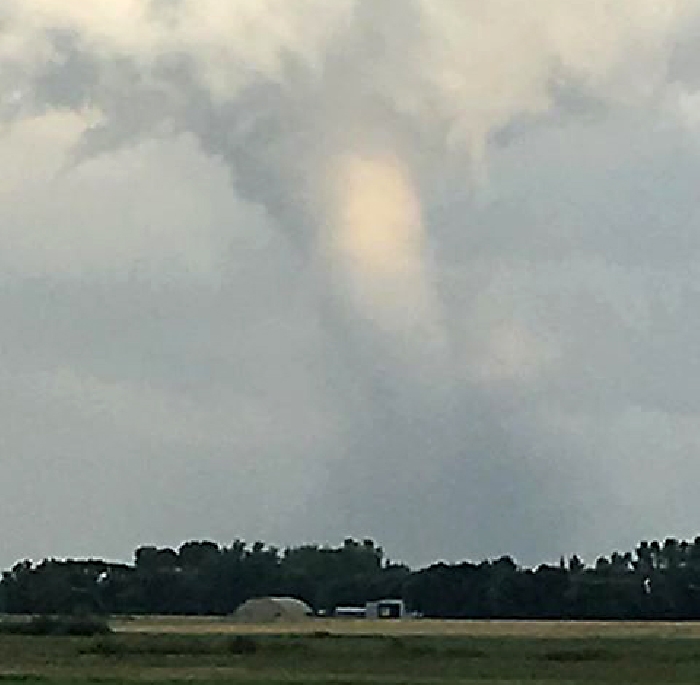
(241, 644)
(55, 626)
(170, 645)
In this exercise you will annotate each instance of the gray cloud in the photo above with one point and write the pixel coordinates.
(181, 354)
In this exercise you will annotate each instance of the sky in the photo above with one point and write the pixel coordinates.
(426, 271)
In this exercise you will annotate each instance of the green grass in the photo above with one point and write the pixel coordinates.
(323, 658)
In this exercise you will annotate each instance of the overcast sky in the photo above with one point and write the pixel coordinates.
(421, 270)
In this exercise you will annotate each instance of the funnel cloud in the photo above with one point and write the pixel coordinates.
(418, 270)
(376, 240)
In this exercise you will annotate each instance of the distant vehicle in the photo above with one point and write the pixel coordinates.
(380, 609)
(350, 612)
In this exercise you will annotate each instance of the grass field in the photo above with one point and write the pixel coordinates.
(208, 651)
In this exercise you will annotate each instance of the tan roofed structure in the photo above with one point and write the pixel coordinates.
(273, 609)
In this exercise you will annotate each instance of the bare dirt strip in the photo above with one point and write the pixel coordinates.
(526, 629)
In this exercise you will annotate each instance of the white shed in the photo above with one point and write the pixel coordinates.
(386, 608)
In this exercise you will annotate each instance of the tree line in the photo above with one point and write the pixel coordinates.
(659, 580)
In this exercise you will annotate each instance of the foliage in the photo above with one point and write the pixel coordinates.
(656, 581)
